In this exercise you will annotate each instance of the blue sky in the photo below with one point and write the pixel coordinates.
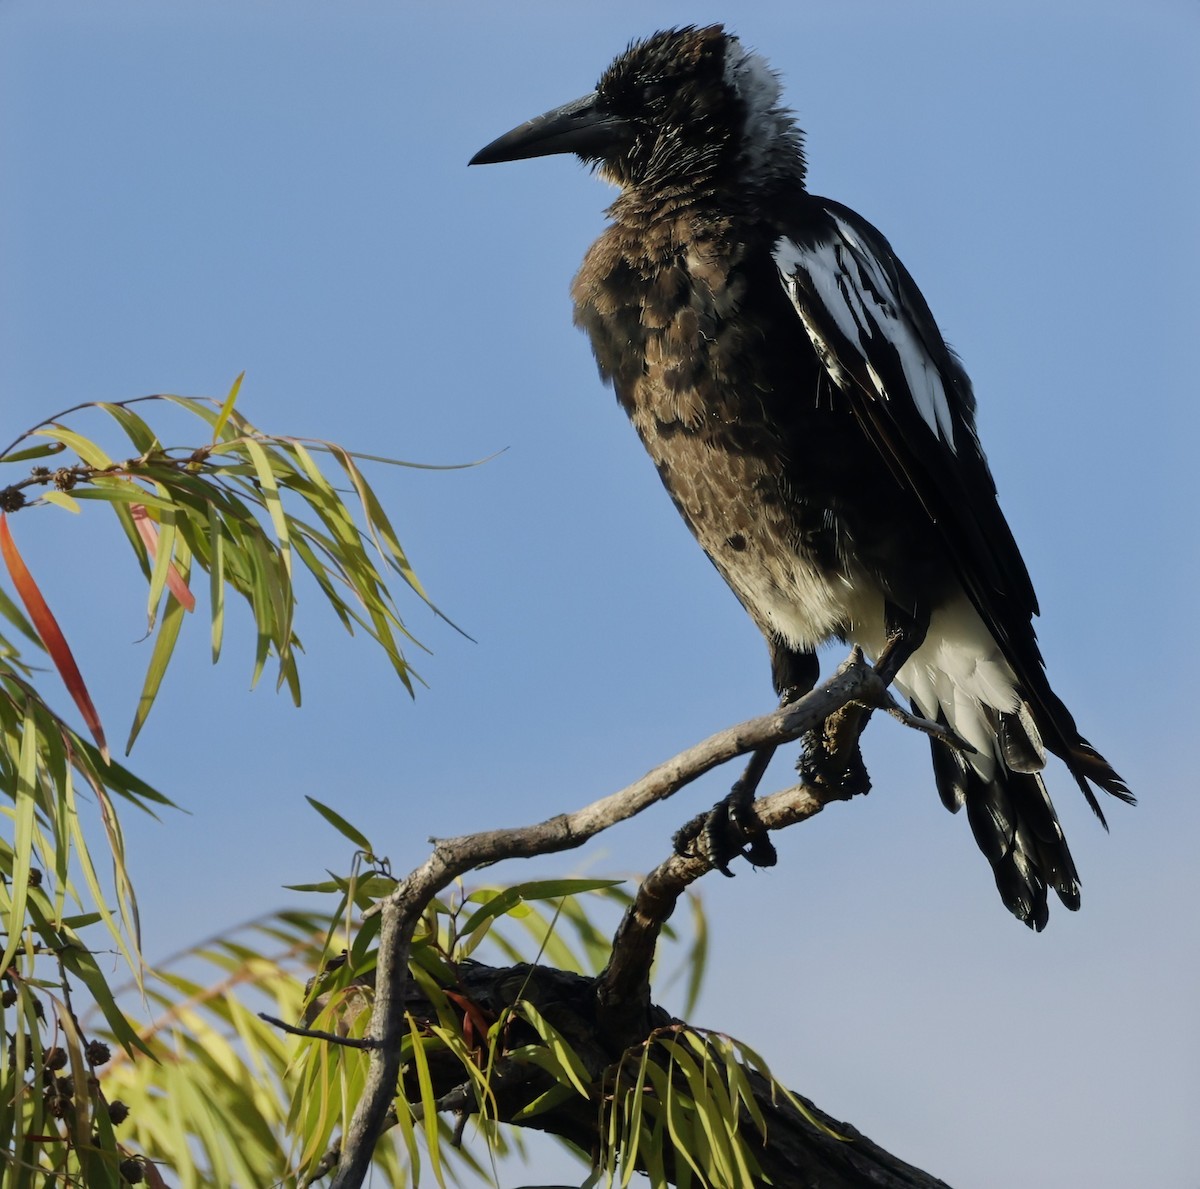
(189, 190)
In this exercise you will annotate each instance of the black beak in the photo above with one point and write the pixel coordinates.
(581, 127)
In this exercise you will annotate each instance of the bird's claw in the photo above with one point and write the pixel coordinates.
(729, 829)
(830, 768)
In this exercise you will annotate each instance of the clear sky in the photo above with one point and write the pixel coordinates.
(189, 190)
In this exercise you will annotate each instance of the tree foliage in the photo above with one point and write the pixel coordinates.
(248, 509)
(372, 1032)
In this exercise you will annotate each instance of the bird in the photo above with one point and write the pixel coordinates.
(815, 432)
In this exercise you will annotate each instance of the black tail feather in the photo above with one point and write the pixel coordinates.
(1062, 737)
(1015, 827)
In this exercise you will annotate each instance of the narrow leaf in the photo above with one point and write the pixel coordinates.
(565, 1057)
(270, 492)
(83, 965)
(542, 889)
(227, 408)
(164, 646)
(60, 499)
(148, 531)
(340, 824)
(51, 634)
(23, 827)
(84, 447)
(112, 489)
(216, 574)
(40, 451)
(144, 439)
(428, 1101)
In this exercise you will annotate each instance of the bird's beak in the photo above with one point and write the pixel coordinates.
(582, 127)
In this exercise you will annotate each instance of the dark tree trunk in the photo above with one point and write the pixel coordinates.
(795, 1155)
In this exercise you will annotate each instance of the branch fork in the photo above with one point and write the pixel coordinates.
(623, 988)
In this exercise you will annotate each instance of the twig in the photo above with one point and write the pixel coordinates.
(926, 726)
(347, 1042)
(87, 404)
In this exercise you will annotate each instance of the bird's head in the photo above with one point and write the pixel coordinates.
(684, 107)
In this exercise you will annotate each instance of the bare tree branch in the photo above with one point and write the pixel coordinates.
(624, 988)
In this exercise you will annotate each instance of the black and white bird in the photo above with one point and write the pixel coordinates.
(813, 428)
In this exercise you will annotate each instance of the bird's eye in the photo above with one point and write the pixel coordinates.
(653, 91)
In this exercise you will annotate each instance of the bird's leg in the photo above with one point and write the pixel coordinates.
(905, 634)
(832, 756)
(731, 828)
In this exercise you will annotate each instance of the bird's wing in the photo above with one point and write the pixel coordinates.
(875, 336)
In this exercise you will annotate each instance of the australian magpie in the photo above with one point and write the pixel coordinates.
(813, 428)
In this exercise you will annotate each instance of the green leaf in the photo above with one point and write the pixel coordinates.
(710, 1108)
(227, 408)
(270, 491)
(677, 1118)
(327, 886)
(381, 528)
(160, 658)
(23, 827)
(547, 1101)
(80, 963)
(751, 1058)
(84, 447)
(543, 889)
(342, 826)
(81, 920)
(113, 489)
(43, 450)
(565, 1057)
(695, 963)
(145, 440)
(429, 1116)
(60, 499)
(84, 858)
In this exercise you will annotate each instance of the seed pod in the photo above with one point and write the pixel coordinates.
(131, 1171)
(97, 1052)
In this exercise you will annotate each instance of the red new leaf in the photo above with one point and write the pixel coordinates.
(51, 635)
(148, 531)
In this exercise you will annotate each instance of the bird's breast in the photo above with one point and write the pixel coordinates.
(739, 417)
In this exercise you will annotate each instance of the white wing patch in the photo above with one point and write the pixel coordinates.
(855, 291)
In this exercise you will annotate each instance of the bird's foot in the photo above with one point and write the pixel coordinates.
(730, 828)
(833, 763)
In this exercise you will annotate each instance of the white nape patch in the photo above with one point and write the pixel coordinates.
(770, 141)
(854, 289)
(751, 77)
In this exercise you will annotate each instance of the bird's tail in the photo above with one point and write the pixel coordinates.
(1011, 815)
(1062, 737)
(999, 700)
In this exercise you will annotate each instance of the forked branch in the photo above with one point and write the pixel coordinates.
(623, 991)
